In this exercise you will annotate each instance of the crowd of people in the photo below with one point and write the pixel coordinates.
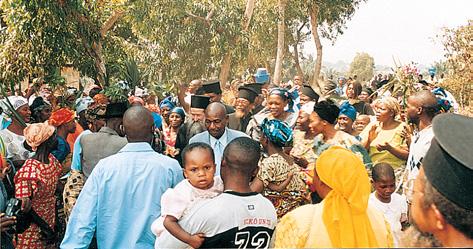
(252, 165)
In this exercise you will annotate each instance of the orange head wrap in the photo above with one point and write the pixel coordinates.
(101, 99)
(61, 116)
(133, 99)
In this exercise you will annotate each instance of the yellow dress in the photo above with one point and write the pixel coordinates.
(304, 228)
(393, 137)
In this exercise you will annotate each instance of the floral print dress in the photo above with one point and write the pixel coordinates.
(274, 169)
(38, 182)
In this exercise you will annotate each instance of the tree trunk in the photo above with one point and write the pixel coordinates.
(225, 67)
(99, 63)
(250, 6)
(314, 12)
(280, 51)
(300, 73)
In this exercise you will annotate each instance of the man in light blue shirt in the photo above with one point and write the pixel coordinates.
(122, 196)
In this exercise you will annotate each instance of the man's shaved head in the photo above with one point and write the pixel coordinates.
(427, 100)
(139, 125)
(216, 109)
(216, 119)
(242, 155)
(426, 97)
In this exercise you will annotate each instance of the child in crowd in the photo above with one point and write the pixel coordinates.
(393, 205)
(200, 184)
(360, 123)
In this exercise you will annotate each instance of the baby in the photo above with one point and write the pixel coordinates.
(360, 123)
(200, 184)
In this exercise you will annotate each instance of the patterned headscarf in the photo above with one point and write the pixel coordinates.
(180, 111)
(36, 134)
(16, 102)
(153, 108)
(133, 99)
(285, 95)
(101, 99)
(61, 116)
(308, 107)
(348, 110)
(277, 131)
(167, 103)
(94, 111)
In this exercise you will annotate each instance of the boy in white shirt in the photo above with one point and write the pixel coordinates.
(393, 205)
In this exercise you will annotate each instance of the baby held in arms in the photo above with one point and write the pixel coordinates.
(200, 184)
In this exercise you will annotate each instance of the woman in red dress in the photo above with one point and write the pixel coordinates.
(36, 181)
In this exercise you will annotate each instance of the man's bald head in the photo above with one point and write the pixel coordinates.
(216, 119)
(216, 109)
(138, 124)
(427, 100)
(241, 156)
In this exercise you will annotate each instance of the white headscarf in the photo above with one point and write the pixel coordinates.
(308, 107)
(17, 101)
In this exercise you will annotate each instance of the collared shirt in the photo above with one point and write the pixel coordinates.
(121, 198)
(76, 153)
(219, 152)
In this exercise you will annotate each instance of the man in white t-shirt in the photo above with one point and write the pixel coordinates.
(421, 108)
(238, 218)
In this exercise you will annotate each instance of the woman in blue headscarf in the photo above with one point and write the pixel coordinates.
(177, 117)
(279, 178)
(280, 106)
(166, 107)
(346, 117)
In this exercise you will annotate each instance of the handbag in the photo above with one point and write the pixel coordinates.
(74, 184)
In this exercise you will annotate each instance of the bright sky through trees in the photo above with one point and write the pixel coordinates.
(405, 29)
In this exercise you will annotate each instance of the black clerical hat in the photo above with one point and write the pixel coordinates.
(255, 86)
(116, 110)
(199, 101)
(247, 93)
(309, 92)
(211, 87)
(448, 164)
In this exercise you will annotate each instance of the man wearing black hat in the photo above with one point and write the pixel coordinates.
(212, 89)
(258, 103)
(307, 94)
(107, 141)
(443, 191)
(244, 104)
(194, 124)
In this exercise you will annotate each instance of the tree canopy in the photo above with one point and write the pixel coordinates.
(172, 41)
(362, 66)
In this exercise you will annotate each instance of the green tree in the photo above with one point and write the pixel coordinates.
(459, 50)
(42, 36)
(362, 66)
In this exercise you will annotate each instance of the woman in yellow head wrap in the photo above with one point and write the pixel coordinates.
(343, 218)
